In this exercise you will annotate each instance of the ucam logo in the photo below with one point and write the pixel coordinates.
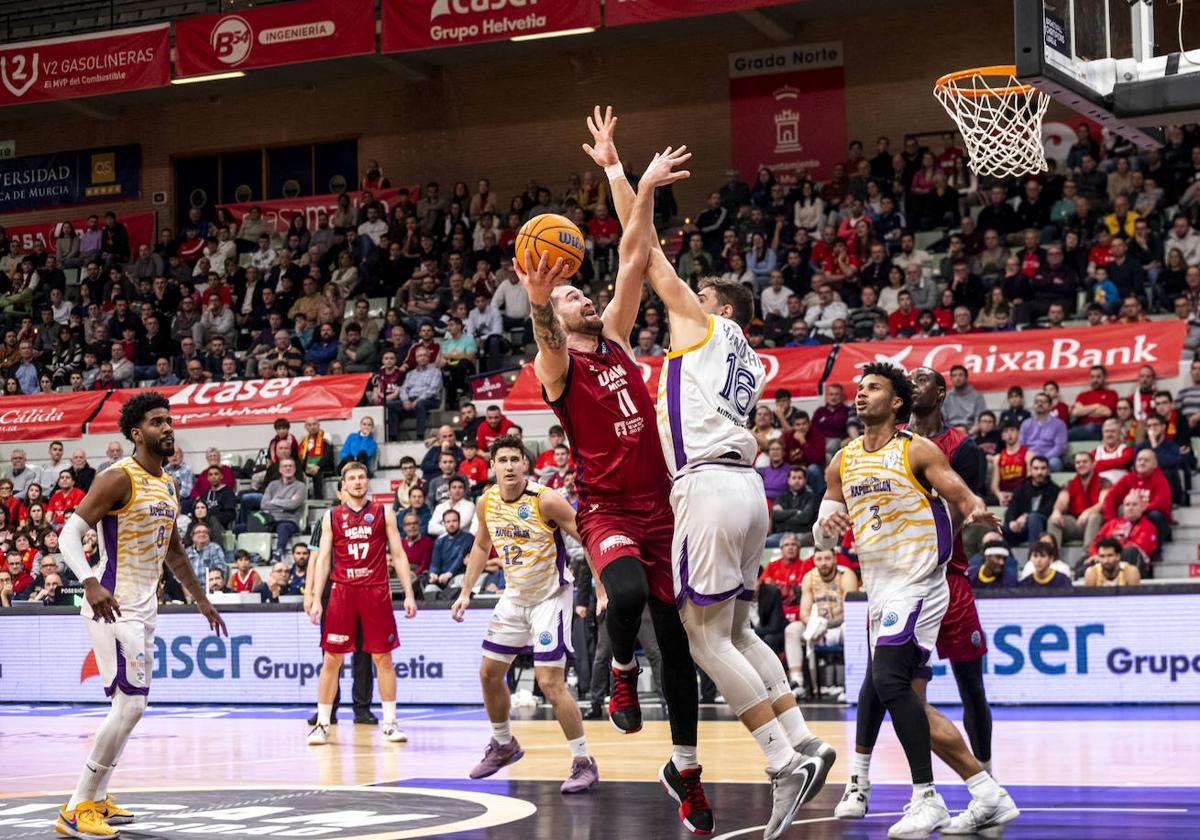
(465, 7)
(231, 40)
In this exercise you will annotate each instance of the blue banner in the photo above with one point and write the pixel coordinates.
(82, 176)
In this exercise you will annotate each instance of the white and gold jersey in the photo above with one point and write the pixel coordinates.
(530, 547)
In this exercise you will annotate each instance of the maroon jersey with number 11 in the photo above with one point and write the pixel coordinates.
(359, 545)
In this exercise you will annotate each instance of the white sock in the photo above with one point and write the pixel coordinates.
(578, 747)
(628, 666)
(920, 790)
(101, 791)
(983, 787)
(389, 710)
(797, 730)
(324, 712)
(987, 766)
(502, 733)
(796, 677)
(774, 744)
(89, 781)
(684, 758)
(862, 768)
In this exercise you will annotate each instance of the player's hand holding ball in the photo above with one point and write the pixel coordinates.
(552, 238)
(460, 606)
(540, 281)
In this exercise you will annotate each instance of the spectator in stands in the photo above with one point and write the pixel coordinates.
(1010, 466)
(475, 467)
(775, 471)
(48, 475)
(356, 354)
(360, 446)
(49, 594)
(220, 499)
(805, 447)
(484, 324)
(438, 488)
(81, 471)
(418, 508)
(449, 551)
(1016, 413)
(65, 499)
(645, 346)
(298, 574)
(1183, 237)
(21, 474)
(1171, 459)
(795, 510)
(494, 425)
(822, 594)
(1032, 502)
(457, 359)
(1079, 510)
(512, 302)
(1147, 481)
(203, 554)
(284, 500)
(987, 435)
(785, 573)
(19, 577)
(244, 578)
(554, 475)
(323, 350)
(456, 501)
(903, 321)
(993, 572)
(1093, 406)
(446, 441)
(821, 315)
(1187, 401)
(1044, 434)
(7, 595)
(315, 454)
(1044, 574)
(409, 480)
(417, 545)
(275, 585)
(201, 515)
(1111, 568)
(546, 459)
(1136, 536)
(1113, 456)
(963, 403)
(212, 457)
(418, 394)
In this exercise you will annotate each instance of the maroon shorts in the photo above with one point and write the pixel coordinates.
(961, 638)
(609, 533)
(349, 605)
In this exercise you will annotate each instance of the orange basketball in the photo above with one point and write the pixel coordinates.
(551, 234)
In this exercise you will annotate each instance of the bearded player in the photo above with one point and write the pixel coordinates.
(136, 504)
(710, 384)
(358, 534)
(524, 521)
(896, 491)
(591, 382)
(960, 639)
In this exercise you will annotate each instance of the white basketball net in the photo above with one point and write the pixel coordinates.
(1001, 125)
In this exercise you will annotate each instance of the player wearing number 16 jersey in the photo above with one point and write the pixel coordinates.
(358, 535)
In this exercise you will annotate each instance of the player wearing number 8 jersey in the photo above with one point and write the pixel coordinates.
(525, 521)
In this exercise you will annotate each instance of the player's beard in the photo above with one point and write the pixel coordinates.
(593, 327)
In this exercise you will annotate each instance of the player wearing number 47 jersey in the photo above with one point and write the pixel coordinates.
(135, 504)
(525, 521)
(358, 535)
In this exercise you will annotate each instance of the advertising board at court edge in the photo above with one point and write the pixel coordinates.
(420, 24)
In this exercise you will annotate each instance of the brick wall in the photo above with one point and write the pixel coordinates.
(472, 119)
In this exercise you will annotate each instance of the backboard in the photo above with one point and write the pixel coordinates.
(1117, 62)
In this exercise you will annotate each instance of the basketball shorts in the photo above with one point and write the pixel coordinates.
(911, 614)
(543, 629)
(124, 652)
(348, 605)
(609, 532)
(721, 524)
(961, 638)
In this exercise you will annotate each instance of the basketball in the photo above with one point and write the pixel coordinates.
(554, 235)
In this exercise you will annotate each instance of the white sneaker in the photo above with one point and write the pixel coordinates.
(922, 817)
(796, 783)
(980, 815)
(854, 801)
(318, 735)
(392, 732)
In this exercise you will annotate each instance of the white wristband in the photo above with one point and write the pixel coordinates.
(615, 171)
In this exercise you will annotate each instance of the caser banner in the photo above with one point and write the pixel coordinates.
(78, 176)
(621, 12)
(799, 369)
(268, 657)
(85, 65)
(422, 24)
(52, 415)
(139, 226)
(996, 361)
(283, 33)
(1082, 649)
(249, 402)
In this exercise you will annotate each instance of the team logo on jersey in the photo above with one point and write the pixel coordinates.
(524, 511)
(891, 460)
(369, 518)
(545, 638)
(170, 488)
(890, 619)
(976, 639)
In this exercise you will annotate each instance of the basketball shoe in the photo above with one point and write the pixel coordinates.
(112, 813)
(624, 708)
(497, 755)
(796, 783)
(85, 822)
(980, 815)
(584, 776)
(392, 732)
(318, 735)
(854, 801)
(684, 787)
(924, 815)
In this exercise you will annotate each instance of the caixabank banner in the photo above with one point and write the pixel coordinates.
(1069, 649)
(268, 657)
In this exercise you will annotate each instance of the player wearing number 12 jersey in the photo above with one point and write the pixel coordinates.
(358, 534)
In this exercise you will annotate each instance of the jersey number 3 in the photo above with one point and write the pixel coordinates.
(740, 385)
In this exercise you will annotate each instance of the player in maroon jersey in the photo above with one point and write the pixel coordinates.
(595, 388)
(359, 534)
(961, 639)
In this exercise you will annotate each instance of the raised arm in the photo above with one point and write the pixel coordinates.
(477, 558)
(929, 462)
(633, 257)
(552, 358)
(399, 560)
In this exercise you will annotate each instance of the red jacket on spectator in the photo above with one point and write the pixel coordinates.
(228, 479)
(1142, 533)
(476, 469)
(812, 451)
(1154, 489)
(252, 581)
(1082, 497)
(1063, 411)
(1092, 396)
(61, 502)
(410, 361)
(831, 422)
(420, 553)
(898, 321)
(17, 513)
(786, 578)
(607, 229)
(485, 434)
(22, 583)
(544, 461)
(1120, 458)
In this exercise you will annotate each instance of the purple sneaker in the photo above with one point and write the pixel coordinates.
(584, 774)
(497, 756)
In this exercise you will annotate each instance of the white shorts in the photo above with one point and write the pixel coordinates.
(543, 630)
(124, 654)
(911, 614)
(721, 524)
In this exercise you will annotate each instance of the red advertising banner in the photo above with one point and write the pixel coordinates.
(621, 12)
(46, 416)
(422, 24)
(996, 361)
(279, 211)
(799, 369)
(139, 225)
(787, 110)
(254, 401)
(284, 33)
(85, 65)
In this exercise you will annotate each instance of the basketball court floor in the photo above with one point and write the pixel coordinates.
(207, 771)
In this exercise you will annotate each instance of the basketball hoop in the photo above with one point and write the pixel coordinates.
(999, 117)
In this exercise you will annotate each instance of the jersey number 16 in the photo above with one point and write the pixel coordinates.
(740, 385)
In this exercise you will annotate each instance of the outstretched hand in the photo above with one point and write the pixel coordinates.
(541, 280)
(661, 170)
(602, 126)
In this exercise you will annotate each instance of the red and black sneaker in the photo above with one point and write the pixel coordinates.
(684, 787)
(624, 710)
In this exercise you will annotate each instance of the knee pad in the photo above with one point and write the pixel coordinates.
(625, 583)
(892, 670)
(128, 707)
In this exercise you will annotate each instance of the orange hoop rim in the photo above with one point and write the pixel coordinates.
(1010, 70)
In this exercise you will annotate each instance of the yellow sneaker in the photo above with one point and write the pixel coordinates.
(85, 822)
(112, 813)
